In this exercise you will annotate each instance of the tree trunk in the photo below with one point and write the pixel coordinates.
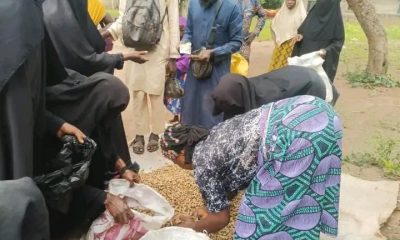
(376, 35)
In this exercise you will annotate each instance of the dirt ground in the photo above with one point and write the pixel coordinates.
(364, 114)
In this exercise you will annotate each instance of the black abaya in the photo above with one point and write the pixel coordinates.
(76, 39)
(323, 29)
(93, 104)
(23, 211)
(22, 80)
(235, 94)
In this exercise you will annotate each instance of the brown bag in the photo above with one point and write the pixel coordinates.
(172, 87)
(203, 70)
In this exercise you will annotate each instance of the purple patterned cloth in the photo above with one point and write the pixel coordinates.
(295, 194)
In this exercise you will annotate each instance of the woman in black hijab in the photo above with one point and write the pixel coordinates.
(322, 31)
(29, 134)
(236, 94)
(78, 42)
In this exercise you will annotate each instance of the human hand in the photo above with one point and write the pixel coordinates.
(187, 222)
(322, 53)
(118, 209)
(131, 176)
(203, 56)
(136, 56)
(68, 129)
(202, 213)
(171, 67)
(298, 38)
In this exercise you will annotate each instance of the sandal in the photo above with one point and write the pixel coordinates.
(138, 144)
(153, 144)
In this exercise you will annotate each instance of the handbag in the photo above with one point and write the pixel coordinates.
(69, 171)
(172, 87)
(201, 69)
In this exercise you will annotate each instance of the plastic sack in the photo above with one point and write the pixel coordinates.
(140, 197)
(68, 171)
(174, 233)
(239, 64)
(314, 60)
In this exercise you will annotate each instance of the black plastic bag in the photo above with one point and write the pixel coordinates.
(69, 171)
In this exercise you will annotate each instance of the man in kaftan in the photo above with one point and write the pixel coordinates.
(197, 102)
(146, 81)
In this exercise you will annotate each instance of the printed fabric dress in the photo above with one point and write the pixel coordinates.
(295, 193)
(288, 156)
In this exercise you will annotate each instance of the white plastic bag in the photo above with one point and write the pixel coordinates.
(139, 197)
(314, 60)
(174, 233)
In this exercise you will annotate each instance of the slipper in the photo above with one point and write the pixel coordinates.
(153, 144)
(138, 144)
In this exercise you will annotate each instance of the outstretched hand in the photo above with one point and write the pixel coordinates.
(136, 56)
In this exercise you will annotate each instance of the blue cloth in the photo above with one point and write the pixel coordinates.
(197, 103)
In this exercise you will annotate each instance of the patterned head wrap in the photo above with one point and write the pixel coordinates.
(180, 137)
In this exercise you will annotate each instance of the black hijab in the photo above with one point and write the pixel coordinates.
(76, 39)
(323, 22)
(71, 18)
(235, 94)
(79, 8)
(16, 44)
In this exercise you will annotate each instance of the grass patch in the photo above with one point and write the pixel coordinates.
(367, 80)
(386, 156)
(355, 56)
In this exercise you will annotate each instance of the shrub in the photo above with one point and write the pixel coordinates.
(271, 4)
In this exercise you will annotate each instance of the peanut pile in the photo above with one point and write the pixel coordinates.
(179, 188)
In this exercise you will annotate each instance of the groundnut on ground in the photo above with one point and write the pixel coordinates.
(179, 188)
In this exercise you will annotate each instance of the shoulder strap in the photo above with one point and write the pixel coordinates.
(213, 31)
